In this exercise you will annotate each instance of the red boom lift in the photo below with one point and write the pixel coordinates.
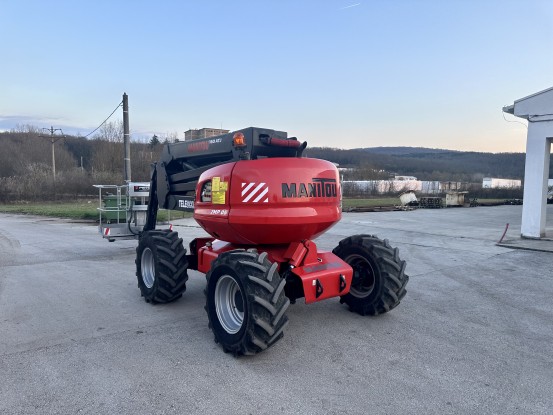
(263, 203)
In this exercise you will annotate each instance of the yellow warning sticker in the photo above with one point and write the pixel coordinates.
(223, 186)
(215, 183)
(218, 197)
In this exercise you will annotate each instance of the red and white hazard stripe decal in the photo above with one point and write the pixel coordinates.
(255, 193)
(107, 232)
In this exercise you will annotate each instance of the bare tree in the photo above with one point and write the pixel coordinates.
(25, 128)
(111, 131)
(108, 148)
(173, 137)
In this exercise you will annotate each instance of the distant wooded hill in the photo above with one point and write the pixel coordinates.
(405, 151)
(26, 163)
(424, 163)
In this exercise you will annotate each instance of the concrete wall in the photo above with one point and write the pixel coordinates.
(538, 110)
(538, 150)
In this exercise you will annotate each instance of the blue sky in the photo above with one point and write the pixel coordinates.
(336, 73)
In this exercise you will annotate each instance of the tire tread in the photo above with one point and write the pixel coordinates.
(264, 293)
(171, 266)
(391, 270)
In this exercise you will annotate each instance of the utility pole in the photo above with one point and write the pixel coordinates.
(126, 137)
(53, 138)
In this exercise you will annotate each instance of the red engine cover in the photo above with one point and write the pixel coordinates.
(268, 201)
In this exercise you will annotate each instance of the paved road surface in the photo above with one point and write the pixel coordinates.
(474, 335)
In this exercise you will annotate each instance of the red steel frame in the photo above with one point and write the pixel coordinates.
(323, 275)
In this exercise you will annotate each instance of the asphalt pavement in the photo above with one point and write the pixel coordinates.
(474, 334)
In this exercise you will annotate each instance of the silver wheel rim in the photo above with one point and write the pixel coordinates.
(364, 277)
(229, 304)
(148, 268)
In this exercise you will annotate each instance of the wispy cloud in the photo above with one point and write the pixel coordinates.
(9, 122)
(350, 6)
(25, 118)
(12, 122)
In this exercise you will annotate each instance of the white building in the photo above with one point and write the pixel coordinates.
(410, 178)
(386, 186)
(494, 183)
(381, 186)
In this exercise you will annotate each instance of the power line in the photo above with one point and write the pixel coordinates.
(519, 122)
(103, 122)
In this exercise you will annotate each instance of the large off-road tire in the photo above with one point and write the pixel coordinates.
(245, 302)
(379, 277)
(161, 266)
